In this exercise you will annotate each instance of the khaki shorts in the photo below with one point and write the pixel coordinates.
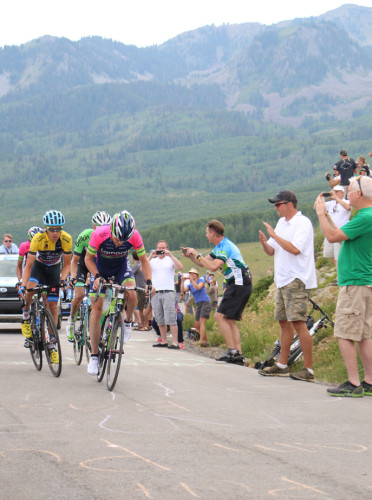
(354, 313)
(331, 250)
(291, 302)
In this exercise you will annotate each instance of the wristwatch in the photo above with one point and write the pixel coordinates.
(199, 256)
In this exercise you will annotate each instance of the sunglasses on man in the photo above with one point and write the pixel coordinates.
(55, 229)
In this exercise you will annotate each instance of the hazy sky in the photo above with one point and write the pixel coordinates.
(143, 22)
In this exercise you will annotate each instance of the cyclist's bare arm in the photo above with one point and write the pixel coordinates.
(19, 269)
(74, 264)
(27, 270)
(66, 266)
(146, 268)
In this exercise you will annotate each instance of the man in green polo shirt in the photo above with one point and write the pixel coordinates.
(353, 323)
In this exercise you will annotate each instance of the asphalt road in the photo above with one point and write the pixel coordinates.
(177, 426)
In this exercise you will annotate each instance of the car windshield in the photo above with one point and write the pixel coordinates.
(8, 268)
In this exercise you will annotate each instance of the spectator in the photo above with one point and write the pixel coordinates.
(361, 162)
(8, 246)
(163, 265)
(141, 297)
(213, 291)
(347, 168)
(226, 255)
(365, 170)
(339, 211)
(177, 284)
(203, 303)
(354, 305)
(336, 178)
(292, 244)
(179, 327)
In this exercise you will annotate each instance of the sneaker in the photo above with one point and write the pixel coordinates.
(70, 330)
(54, 356)
(237, 359)
(367, 388)
(127, 331)
(304, 375)
(181, 346)
(347, 390)
(226, 356)
(93, 366)
(26, 328)
(274, 371)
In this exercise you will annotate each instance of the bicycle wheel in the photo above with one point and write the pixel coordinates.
(35, 342)
(51, 342)
(79, 339)
(115, 351)
(102, 348)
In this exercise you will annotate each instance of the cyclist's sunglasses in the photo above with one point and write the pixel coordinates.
(55, 229)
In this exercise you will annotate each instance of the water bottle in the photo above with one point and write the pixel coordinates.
(69, 294)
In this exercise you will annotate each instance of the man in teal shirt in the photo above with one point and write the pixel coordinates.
(353, 323)
(227, 257)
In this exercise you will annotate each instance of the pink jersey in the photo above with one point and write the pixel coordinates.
(24, 247)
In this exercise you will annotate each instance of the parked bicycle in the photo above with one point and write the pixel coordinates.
(44, 334)
(111, 343)
(296, 350)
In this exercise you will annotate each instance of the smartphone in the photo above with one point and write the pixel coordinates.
(327, 194)
(159, 252)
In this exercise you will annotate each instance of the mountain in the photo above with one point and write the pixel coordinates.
(208, 123)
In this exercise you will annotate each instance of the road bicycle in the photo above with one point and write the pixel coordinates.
(81, 340)
(295, 351)
(111, 343)
(44, 333)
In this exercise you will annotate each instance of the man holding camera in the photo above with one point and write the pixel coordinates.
(338, 209)
(163, 265)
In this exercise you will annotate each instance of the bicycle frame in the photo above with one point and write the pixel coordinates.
(295, 351)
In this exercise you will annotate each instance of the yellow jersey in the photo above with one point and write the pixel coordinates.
(50, 252)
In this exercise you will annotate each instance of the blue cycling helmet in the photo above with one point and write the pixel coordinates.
(32, 231)
(122, 226)
(101, 218)
(54, 218)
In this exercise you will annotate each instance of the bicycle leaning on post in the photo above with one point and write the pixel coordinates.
(44, 334)
(111, 343)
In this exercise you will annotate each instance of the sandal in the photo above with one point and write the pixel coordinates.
(145, 329)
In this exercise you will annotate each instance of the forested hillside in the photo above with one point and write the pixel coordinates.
(209, 124)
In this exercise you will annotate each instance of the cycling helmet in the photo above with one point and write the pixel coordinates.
(53, 218)
(122, 226)
(32, 231)
(101, 218)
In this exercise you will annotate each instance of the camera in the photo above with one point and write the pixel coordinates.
(327, 194)
(160, 252)
(328, 177)
(186, 275)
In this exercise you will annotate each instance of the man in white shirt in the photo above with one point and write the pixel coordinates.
(339, 211)
(292, 245)
(163, 265)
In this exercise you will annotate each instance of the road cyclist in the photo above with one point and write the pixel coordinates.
(106, 257)
(43, 267)
(79, 271)
(24, 248)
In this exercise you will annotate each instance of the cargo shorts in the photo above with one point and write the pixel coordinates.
(354, 313)
(291, 302)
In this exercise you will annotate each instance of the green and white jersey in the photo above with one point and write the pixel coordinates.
(82, 242)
